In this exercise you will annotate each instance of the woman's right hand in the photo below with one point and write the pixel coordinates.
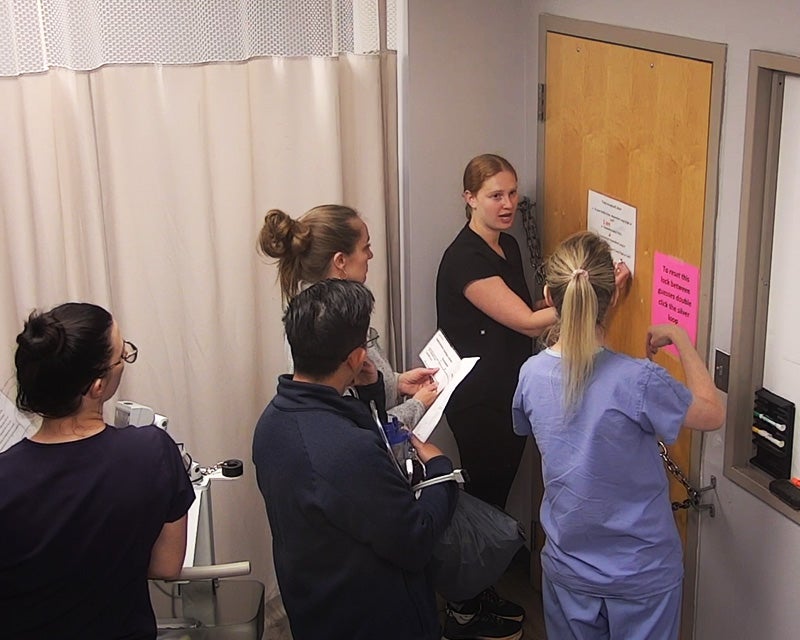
(411, 381)
(427, 393)
(662, 335)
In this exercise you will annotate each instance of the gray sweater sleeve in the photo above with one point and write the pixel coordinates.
(408, 412)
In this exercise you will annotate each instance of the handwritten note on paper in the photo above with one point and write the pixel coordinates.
(439, 353)
(452, 370)
(676, 294)
(14, 426)
(615, 222)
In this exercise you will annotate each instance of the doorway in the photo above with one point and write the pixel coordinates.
(635, 117)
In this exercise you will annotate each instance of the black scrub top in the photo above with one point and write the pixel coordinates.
(472, 332)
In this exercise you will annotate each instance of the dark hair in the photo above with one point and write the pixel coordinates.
(325, 322)
(480, 169)
(59, 354)
(305, 247)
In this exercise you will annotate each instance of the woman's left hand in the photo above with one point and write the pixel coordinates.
(425, 450)
(427, 393)
(411, 381)
(540, 304)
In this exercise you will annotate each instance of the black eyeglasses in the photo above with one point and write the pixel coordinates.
(129, 353)
(372, 338)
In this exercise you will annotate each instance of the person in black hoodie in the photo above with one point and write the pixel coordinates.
(350, 541)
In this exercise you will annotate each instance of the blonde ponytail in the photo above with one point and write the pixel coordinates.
(580, 279)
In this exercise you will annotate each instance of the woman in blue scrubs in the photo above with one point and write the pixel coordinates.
(612, 563)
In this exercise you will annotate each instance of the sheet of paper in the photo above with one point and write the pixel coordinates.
(434, 414)
(14, 426)
(614, 221)
(439, 353)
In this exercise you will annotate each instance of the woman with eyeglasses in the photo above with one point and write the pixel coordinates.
(89, 511)
(332, 241)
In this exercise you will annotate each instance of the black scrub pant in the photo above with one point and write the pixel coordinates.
(490, 450)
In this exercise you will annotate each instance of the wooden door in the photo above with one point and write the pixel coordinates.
(639, 126)
(633, 125)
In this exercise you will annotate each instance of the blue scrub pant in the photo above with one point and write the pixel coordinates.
(569, 615)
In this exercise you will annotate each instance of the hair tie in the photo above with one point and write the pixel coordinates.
(576, 273)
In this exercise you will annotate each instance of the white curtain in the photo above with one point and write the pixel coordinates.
(142, 188)
(86, 34)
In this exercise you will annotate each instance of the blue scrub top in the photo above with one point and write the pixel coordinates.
(606, 509)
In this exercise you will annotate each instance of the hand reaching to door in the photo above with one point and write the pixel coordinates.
(622, 277)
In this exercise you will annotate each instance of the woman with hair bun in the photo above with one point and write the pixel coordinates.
(612, 562)
(89, 511)
(332, 241)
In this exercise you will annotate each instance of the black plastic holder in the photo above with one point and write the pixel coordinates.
(773, 433)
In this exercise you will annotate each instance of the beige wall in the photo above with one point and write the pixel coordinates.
(471, 87)
(464, 95)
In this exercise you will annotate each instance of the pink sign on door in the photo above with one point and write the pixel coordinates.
(676, 294)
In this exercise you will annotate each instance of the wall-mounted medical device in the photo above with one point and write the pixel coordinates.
(133, 414)
(773, 433)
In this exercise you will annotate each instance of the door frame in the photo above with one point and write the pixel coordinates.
(715, 53)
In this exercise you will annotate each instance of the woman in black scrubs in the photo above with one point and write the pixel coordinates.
(484, 308)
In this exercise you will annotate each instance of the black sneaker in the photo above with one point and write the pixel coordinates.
(491, 602)
(479, 626)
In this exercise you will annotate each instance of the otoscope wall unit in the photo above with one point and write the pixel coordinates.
(773, 433)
